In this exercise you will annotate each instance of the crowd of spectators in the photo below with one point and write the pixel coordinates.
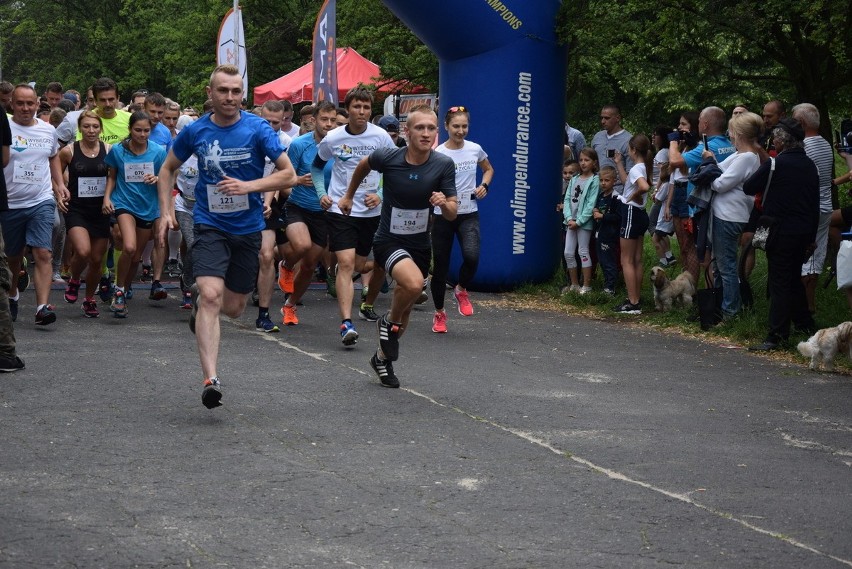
(708, 186)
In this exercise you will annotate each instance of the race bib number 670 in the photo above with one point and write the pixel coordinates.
(135, 172)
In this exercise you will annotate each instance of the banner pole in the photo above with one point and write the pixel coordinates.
(237, 33)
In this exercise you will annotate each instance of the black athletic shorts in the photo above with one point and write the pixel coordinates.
(387, 254)
(347, 232)
(233, 258)
(92, 220)
(634, 221)
(316, 221)
(140, 223)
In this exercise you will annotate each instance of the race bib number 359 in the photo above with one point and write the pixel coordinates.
(29, 173)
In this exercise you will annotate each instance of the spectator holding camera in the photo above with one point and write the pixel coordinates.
(711, 126)
(675, 208)
(790, 186)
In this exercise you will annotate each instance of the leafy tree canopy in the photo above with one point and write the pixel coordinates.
(657, 58)
(654, 58)
(169, 45)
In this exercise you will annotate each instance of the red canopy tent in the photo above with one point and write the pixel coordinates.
(352, 69)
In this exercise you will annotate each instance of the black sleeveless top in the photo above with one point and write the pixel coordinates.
(83, 166)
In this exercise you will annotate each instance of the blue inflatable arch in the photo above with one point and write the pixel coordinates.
(502, 59)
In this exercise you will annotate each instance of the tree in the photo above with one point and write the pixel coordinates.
(169, 45)
(672, 55)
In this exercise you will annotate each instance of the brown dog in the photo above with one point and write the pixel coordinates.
(826, 344)
(666, 291)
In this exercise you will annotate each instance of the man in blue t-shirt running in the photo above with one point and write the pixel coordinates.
(231, 146)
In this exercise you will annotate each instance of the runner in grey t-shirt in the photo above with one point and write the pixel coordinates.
(408, 188)
(415, 179)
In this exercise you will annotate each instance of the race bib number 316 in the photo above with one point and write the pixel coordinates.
(91, 187)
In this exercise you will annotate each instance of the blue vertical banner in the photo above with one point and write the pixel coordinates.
(508, 68)
(325, 54)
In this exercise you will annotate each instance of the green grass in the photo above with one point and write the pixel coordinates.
(749, 327)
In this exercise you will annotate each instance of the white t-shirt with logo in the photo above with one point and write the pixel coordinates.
(466, 159)
(28, 173)
(347, 150)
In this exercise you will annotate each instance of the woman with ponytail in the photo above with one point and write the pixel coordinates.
(131, 196)
(634, 218)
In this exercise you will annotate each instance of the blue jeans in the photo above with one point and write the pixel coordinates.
(726, 241)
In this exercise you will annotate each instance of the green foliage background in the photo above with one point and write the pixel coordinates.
(655, 58)
(170, 45)
(658, 58)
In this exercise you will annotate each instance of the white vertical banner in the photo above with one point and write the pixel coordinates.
(232, 44)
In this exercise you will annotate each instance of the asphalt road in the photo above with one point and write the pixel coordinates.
(519, 439)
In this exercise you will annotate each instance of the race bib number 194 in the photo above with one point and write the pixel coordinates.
(409, 221)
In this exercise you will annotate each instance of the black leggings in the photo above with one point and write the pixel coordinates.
(466, 228)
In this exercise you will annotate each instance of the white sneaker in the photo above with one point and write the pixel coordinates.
(585, 290)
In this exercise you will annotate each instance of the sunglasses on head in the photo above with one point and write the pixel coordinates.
(458, 109)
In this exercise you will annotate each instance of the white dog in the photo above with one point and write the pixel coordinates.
(667, 291)
(826, 344)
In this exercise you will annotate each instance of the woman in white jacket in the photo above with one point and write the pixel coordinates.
(731, 207)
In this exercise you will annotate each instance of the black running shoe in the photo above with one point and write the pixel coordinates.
(367, 313)
(212, 395)
(45, 316)
(384, 369)
(158, 291)
(628, 307)
(105, 289)
(389, 338)
(8, 365)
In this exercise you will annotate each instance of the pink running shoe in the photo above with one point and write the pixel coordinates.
(465, 307)
(439, 322)
(72, 290)
(90, 308)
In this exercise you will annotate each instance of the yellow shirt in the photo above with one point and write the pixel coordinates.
(115, 129)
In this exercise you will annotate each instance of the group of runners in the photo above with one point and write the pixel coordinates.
(238, 189)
